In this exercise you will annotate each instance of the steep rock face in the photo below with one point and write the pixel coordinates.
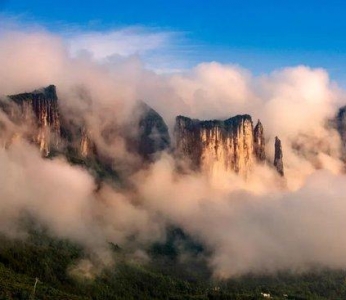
(340, 121)
(278, 157)
(39, 111)
(259, 142)
(152, 135)
(77, 139)
(86, 146)
(41, 108)
(212, 146)
(216, 145)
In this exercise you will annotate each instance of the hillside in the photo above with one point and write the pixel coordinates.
(163, 277)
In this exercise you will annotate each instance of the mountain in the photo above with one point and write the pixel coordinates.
(231, 145)
(41, 107)
(151, 135)
(278, 162)
(259, 142)
(340, 124)
(55, 134)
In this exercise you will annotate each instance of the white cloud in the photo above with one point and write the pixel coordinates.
(123, 42)
(157, 48)
(251, 226)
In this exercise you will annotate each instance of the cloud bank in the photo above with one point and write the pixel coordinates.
(259, 225)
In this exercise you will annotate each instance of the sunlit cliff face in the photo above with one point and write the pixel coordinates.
(85, 145)
(39, 113)
(215, 147)
(231, 153)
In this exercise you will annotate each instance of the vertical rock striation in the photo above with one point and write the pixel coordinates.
(341, 127)
(188, 140)
(216, 145)
(87, 147)
(212, 146)
(278, 162)
(40, 108)
(259, 142)
(230, 145)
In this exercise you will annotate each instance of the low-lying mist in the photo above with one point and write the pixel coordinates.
(262, 224)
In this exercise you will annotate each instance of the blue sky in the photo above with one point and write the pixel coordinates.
(259, 35)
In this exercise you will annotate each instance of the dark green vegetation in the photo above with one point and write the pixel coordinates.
(50, 259)
(165, 277)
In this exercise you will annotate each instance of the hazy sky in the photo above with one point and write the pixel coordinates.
(259, 35)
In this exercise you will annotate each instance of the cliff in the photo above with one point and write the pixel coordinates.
(216, 145)
(340, 122)
(230, 145)
(77, 139)
(86, 146)
(259, 142)
(40, 109)
(278, 157)
(150, 132)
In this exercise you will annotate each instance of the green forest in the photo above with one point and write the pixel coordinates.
(163, 276)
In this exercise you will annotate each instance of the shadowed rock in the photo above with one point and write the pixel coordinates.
(340, 121)
(259, 142)
(278, 157)
(152, 136)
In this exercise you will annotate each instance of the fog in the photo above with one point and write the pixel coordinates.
(262, 224)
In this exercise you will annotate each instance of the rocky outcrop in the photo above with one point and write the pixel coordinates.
(278, 157)
(40, 109)
(152, 132)
(212, 146)
(77, 139)
(340, 121)
(230, 145)
(259, 142)
(86, 146)
(216, 145)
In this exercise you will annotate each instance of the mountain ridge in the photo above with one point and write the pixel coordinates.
(234, 144)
